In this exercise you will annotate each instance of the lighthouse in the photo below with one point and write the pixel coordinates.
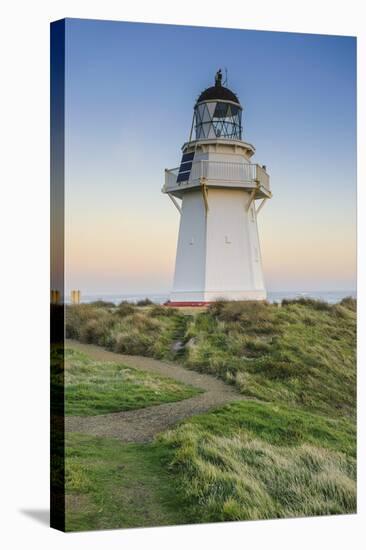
(219, 193)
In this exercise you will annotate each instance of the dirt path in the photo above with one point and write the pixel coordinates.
(143, 424)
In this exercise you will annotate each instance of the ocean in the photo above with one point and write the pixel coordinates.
(331, 296)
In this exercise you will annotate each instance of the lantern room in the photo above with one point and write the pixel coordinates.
(217, 113)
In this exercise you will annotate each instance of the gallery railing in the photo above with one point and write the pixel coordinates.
(226, 172)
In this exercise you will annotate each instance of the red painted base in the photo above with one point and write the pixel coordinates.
(187, 304)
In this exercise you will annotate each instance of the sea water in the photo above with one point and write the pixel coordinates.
(330, 296)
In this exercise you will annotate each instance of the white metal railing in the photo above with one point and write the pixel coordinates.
(262, 176)
(234, 172)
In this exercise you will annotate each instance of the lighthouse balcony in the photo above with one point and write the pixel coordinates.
(218, 174)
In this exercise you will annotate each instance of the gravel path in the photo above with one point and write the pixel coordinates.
(143, 424)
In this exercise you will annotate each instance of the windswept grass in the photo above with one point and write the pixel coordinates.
(257, 461)
(302, 354)
(280, 425)
(238, 478)
(288, 452)
(244, 461)
(127, 328)
(93, 387)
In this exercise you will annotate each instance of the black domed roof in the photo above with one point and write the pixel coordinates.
(218, 92)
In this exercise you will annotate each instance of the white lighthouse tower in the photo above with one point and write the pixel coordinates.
(218, 252)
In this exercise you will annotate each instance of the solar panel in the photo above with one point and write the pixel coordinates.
(184, 176)
(187, 156)
(185, 167)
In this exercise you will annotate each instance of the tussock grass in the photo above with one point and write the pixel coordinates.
(144, 302)
(127, 328)
(301, 353)
(256, 461)
(102, 303)
(318, 305)
(280, 425)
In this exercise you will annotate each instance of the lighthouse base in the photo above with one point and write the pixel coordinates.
(207, 297)
(218, 253)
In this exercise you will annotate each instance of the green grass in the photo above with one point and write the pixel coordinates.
(279, 425)
(256, 461)
(288, 452)
(112, 485)
(300, 354)
(94, 387)
(244, 461)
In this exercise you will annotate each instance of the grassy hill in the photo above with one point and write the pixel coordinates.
(287, 451)
(302, 353)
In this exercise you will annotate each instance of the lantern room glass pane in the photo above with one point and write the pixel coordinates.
(218, 119)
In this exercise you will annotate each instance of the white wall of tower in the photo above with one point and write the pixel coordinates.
(218, 253)
(190, 264)
(232, 246)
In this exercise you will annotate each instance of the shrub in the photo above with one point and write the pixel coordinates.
(255, 316)
(102, 304)
(349, 303)
(76, 318)
(97, 329)
(163, 311)
(144, 302)
(217, 307)
(234, 311)
(133, 342)
(136, 334)
(142, 322)
(319, 305)
(124, 309)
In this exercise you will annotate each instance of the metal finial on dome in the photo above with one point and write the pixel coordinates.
(218, 78)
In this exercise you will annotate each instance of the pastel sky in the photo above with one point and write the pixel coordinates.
(130, 91)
